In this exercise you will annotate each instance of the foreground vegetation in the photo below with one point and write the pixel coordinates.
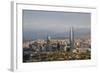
(58, 56)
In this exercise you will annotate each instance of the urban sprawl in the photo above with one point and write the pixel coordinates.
(57, 49)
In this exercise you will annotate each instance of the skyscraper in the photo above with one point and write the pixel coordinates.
(71, 38)
(48, 39)
(48, 48)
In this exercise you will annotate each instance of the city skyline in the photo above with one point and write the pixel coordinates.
(56, 36)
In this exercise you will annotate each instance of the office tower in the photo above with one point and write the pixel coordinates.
(71, 38)
(48, 44)
(48, 39)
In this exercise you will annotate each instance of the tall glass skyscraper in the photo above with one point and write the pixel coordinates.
(71, 38)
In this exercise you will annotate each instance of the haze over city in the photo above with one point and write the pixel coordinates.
(56, 36)
(39, 24)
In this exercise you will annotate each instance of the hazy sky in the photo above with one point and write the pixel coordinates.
(50, 21)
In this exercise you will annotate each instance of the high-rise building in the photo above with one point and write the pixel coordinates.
(48, 44)
(71, 38)
(48, 39)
